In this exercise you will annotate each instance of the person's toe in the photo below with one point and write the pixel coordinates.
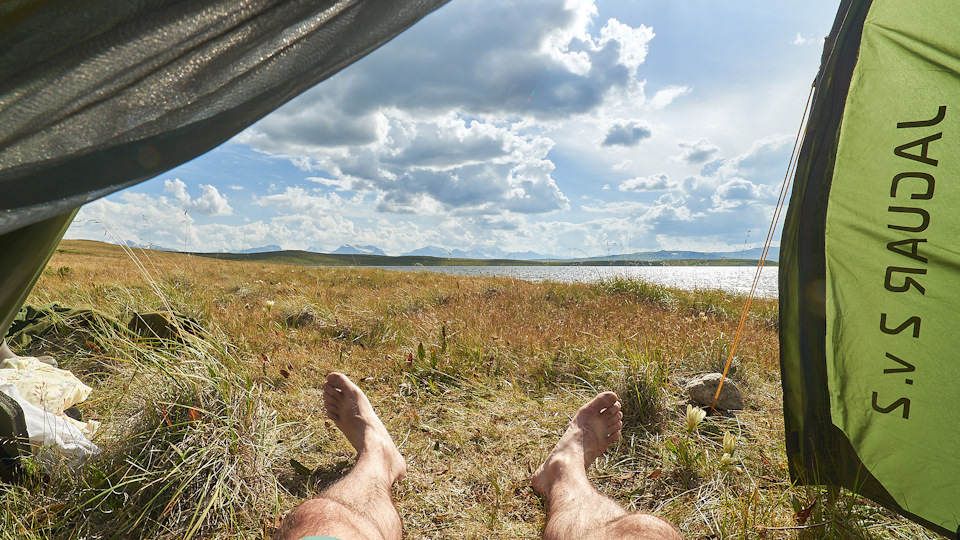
(610, 412)
(606, 399)
(337, 380)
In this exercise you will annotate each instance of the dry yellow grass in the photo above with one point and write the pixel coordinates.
(475, 378)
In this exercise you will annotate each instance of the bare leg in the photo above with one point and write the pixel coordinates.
(358, 507)
(575, 509)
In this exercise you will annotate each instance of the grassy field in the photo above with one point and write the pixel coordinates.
(476, 378)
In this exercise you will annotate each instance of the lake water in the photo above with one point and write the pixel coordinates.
(736, 279)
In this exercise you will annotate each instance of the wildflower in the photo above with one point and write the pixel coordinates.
(695, 415)
(269, 304)
(730, 463)
(729, 443)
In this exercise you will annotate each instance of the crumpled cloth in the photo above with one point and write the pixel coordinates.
(47, 430)
(46, 388)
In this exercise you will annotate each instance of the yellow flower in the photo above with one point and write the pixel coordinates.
(729, 443)
(695, 415)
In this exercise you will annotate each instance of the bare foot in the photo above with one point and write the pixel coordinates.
(594, 427)
(352, 413)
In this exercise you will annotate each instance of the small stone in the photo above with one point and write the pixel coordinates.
(304, 317)
(702, 389)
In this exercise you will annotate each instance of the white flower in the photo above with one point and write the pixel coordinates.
(729, 463)
(695, 415)
(729, 443)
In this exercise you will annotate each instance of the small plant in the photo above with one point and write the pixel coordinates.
(695, 415)
(688, 456)
(729, 463)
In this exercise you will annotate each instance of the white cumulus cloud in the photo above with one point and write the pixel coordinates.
(657, 182)
(210, 202)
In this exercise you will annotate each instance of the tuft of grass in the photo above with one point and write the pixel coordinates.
(641, 389)
(642, 290)
(188, 448)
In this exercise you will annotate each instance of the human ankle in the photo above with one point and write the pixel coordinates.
(384, 455)
(560, 468)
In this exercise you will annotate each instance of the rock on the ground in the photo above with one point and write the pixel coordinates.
(703, 388)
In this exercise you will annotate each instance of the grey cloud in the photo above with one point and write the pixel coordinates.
(627, 134)
(478, 57)
(468, 185)
(451, 147)
(320, 123)
(697, 152)
(457, 165)
(428, 121)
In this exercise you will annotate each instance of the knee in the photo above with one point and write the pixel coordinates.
(642, 527)
(319, 506)
(314, 517)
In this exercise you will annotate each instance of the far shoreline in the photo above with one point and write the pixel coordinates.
(312, 259)
(306, 258)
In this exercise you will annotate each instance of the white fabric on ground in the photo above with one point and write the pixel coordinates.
(49, 430)
(52, 389)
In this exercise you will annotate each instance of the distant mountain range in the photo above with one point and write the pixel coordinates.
(263, 249)
(435, 251)
(358, 250)
(478, 254)
(131, 243)
(749, 254)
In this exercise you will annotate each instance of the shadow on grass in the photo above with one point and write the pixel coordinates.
(316, 481)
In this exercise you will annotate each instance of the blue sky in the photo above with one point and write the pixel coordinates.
(568, 128)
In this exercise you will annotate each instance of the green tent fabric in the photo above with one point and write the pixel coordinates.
(25, 253)
(99, 95)
(96, 96)
(870, 264)
(53, 321)
(33, 323)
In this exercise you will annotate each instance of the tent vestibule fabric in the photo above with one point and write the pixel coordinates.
(870, 264)
(25, 252)
(99, 95)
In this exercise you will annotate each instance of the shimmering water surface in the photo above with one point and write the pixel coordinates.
(735, 279)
